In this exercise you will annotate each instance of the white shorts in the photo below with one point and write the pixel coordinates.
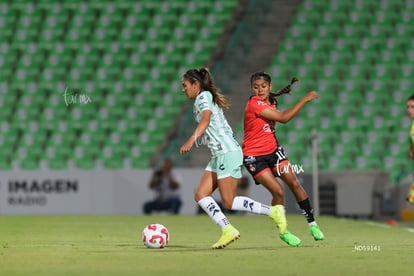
(228, 164)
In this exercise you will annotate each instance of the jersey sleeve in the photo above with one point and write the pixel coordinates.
(205, 101)
(257, 105)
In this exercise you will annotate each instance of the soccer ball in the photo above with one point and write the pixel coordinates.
(155, 236)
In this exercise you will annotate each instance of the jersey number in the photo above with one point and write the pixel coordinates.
(280, 154)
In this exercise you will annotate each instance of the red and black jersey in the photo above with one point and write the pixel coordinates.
(259, 133)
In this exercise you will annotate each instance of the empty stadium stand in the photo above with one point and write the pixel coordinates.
(96, 84)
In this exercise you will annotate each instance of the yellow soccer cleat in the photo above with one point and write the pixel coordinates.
(410, 199)
(229, 235)
(278, 215)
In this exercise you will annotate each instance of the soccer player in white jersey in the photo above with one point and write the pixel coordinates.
(224, 169)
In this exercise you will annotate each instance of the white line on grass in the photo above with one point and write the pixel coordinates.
(378, 224)
(411, 230)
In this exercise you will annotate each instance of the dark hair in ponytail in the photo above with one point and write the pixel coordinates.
(204, 77)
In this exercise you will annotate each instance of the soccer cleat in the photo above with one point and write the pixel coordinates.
(316, 233)
(279, 217)
(410, 197)
(229, 235)
(290, 239)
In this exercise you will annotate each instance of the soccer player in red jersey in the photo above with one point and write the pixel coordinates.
(263, 156)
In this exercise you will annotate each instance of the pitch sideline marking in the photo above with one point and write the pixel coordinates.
(378, 224)
(411, 230)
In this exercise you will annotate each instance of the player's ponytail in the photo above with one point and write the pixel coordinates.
(285, 90)
(204, 77)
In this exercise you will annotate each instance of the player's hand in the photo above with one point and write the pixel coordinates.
(186, 147)
(311, 96)
(411, 153)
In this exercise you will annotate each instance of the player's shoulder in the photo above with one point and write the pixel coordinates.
(257, 100)
(204, 95)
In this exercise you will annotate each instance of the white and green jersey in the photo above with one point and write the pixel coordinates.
(218, 135)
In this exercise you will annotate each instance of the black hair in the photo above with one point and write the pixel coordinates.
(266, 77)
(260, 76)
(272, 95)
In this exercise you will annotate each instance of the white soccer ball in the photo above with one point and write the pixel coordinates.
(155, 236)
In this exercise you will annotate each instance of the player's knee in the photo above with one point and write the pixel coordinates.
(227, 203)
(278, 193)
(295, 185)
(199, 196)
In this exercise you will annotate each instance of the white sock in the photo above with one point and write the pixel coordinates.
(246, 204)
(210, 206)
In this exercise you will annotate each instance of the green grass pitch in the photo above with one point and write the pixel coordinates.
(111, 245)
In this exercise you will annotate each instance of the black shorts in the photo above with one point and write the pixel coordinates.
(256, 165)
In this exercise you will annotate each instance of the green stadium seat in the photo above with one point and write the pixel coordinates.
(57, 163)
(347, 43)
(340, 163)
(30, 164)
(7, 141)
(85, 163)
(113, 163)
(5, 165)
(139, 163)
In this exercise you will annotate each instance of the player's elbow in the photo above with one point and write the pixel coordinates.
(284, 119)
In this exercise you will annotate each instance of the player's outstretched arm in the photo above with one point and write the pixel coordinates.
(288, 114)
